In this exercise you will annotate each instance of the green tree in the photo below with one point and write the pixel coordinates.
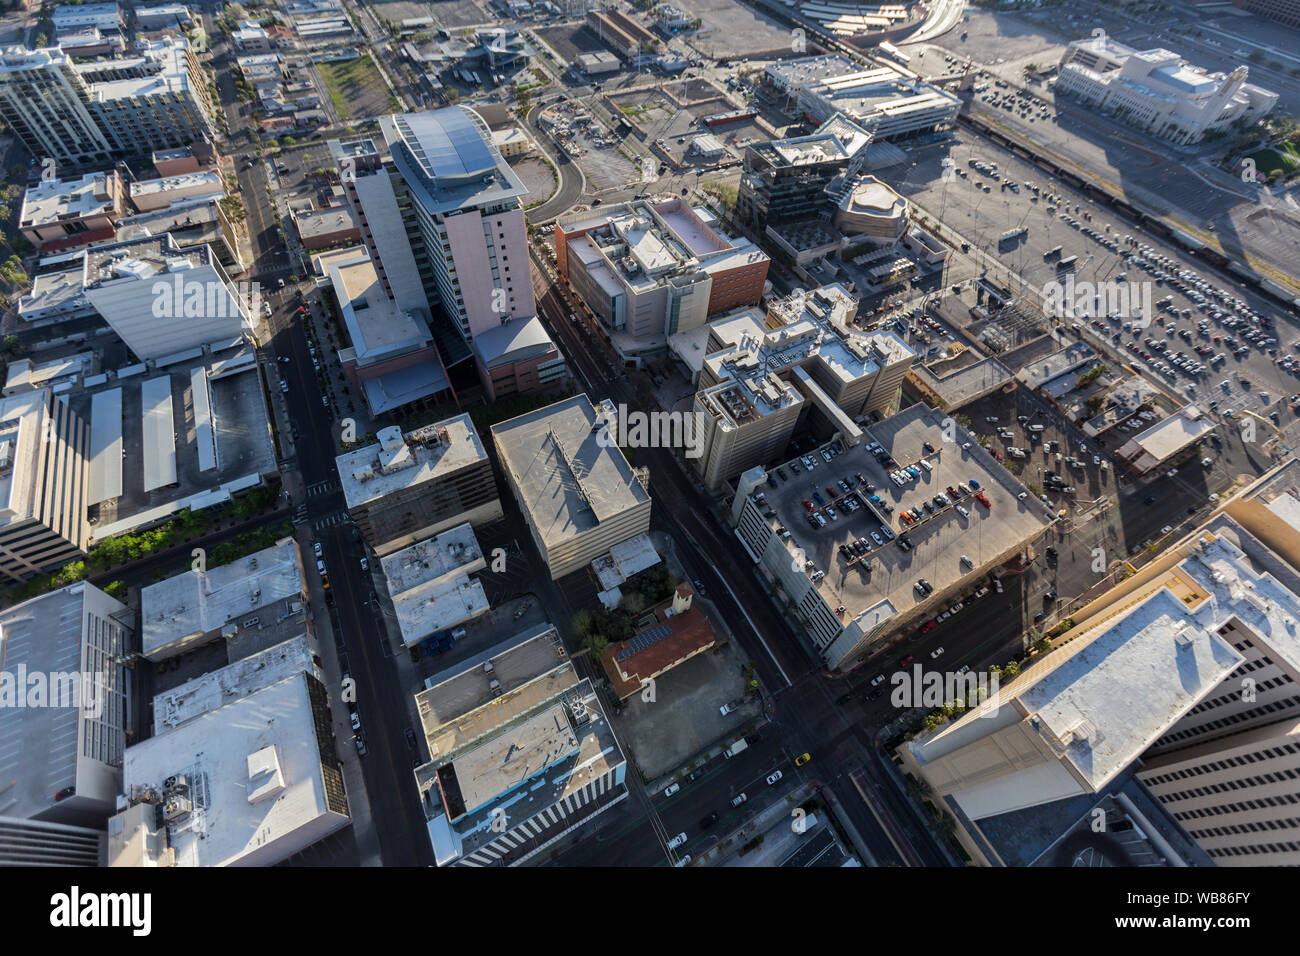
(523, 99)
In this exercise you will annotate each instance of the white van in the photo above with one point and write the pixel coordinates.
(926, 465)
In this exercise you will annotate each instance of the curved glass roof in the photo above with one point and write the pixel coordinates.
(448, 143)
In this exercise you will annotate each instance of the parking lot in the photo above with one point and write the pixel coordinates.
(982, 217)
(594, 148)
(1022, 420)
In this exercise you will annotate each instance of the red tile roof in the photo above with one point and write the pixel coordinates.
(690, 633)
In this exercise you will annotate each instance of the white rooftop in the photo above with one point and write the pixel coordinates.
(198, 602)
(217, 688)
(430, 586)
(48, 202)
(257, 788)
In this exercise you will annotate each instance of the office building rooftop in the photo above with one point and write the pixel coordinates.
(398, 460)
(570, 476)
(255, 787)
(430, 585)
(197, 602)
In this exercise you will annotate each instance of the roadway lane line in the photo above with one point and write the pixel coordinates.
(740, 604)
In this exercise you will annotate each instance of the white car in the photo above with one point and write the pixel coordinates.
(672, 789)
(1023, 495)
(771, 780)
(878, 679)
(677, 841)
(936, 653)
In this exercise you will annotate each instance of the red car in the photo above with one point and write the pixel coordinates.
(928, 625)
(808, 504)
(906, 660)
(832, 492)
(983, 499)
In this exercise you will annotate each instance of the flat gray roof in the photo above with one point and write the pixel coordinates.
(198, 602)
(570, 478)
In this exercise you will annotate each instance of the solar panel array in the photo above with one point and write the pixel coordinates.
(644, 640)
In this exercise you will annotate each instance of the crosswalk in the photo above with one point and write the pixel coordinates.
(330, 520)
(323, 488)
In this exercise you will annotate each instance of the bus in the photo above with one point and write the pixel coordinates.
(894, 53)
(1012, 235)
(1052, 253)
(1067, 263)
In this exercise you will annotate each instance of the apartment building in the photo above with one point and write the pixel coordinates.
(576, 490)
(472, 249)
(44, 451)
(407, 487)
(649, 270)
(1158, 91)
(154, 97)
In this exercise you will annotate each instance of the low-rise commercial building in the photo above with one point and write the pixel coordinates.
(192, 609)
(407, 487)
(430, 584)
(65, 214)
(1154, 446)
(576, 490)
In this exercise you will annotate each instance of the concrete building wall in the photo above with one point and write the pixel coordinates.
(1237, 796)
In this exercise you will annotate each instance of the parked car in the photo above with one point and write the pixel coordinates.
(774, 777)
(677, 841)
(672, 788)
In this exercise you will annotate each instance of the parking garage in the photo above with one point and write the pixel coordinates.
(852, 590)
